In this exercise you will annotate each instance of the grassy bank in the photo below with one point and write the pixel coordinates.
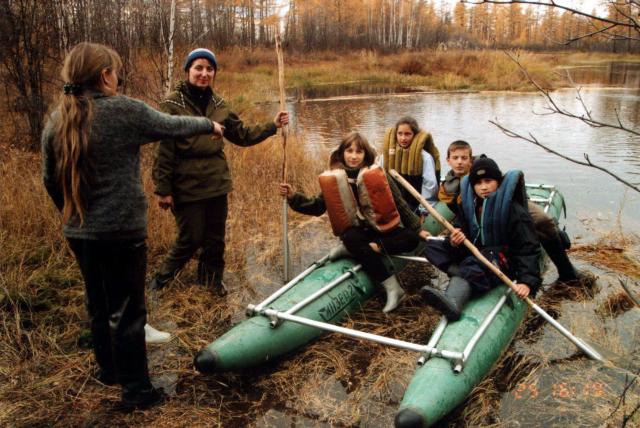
(46, 364)
(434, 70)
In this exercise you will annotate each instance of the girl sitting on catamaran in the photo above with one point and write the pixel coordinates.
(366, 211)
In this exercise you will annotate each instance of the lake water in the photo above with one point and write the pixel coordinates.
(567, 389)
(593, 198)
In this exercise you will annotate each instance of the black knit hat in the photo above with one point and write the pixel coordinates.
(484, 167)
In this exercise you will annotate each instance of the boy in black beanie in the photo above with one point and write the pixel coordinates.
(554, 241)
(493, 215)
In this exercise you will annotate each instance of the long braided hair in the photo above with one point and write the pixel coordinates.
(81, 72)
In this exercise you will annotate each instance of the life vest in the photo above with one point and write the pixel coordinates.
(376, 200)
(342, 207)
(449, 191)
(408, 161)
(492, 230)
(376, 205)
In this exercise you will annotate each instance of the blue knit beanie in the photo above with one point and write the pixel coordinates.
(201, 53)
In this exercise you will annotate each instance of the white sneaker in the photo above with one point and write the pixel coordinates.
(151, 335)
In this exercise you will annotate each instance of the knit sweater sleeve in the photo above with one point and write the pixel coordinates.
(154, 125)
(308, 205)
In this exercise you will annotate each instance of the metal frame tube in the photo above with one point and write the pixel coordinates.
(548, 205)
(301, 304)
(539, 186)
(412, 258)
(254, 309)
(433, 340)
(285, 231)
(542, 200)
(272, 313)
(481, 330)
(592, 353)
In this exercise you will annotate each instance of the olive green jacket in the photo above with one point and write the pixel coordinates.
(195, 168)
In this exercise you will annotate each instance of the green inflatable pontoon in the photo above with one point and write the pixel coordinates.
(326, 292)
(484, 331)
(456, 358)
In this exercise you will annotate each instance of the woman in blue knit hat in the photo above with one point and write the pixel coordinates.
(191, 175)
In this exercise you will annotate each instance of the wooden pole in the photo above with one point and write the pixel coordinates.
(284, 132)
(592, 353)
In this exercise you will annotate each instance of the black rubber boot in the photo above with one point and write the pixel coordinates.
(219, 287)
(558, 255)
(140, 396)
(452, 301)
(213, 279)
(106, 377)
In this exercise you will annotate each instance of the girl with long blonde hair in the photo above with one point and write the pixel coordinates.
(91, 169)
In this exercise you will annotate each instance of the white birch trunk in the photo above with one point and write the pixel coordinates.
(89, 21)
(411, 20)
(172, 26)
(400, 24)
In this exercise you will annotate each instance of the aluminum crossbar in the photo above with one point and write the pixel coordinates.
(256, 309)
(295, 308)
(433, 341)
(539, 200)
(272, 313)
(539, 186)
(412, 258)
(481, 330)
(548, 204)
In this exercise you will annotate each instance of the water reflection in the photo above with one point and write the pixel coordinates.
(590, 193)
(346, 89)
(617, 73)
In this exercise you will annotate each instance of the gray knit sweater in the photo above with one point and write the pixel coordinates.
(117, 206)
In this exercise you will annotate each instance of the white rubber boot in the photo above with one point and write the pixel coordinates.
(151, 335)
(395, 293)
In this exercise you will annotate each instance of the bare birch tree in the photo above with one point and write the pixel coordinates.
(172, 28)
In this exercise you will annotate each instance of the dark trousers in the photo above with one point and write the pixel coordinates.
(460, 262)
(201, 224)
(357, 239)
(114, 275)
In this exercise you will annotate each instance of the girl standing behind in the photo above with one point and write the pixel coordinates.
(91, 169)
(365, 238)
(410, 151)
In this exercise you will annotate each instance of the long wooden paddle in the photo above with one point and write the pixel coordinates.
(285, 206)
(591, 353)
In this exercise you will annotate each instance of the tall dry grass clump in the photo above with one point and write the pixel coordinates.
(463, 69)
